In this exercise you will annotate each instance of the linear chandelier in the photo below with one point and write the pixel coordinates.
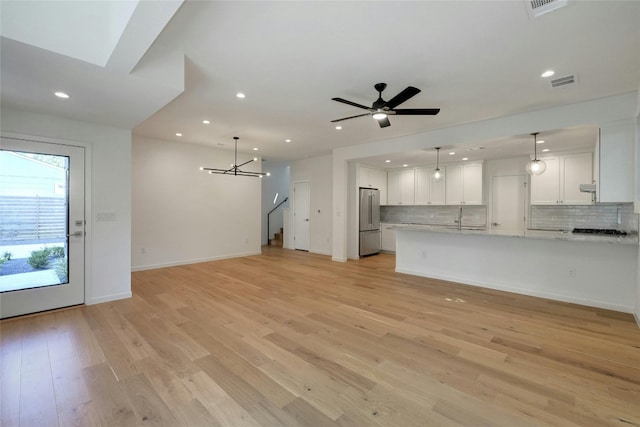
(235, 167)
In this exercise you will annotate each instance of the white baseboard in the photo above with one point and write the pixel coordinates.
(506, 288)
(107, 298)
(333, 258)
(328, 253)
(191, 261)
(637, 317)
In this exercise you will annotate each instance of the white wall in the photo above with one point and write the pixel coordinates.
(182, 215)
(108, 189)
(278, 182)
(317, 171)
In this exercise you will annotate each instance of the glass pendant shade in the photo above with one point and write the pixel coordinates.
(536, 166)
(437, 174)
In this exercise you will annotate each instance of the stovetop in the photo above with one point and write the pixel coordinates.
(605, 231)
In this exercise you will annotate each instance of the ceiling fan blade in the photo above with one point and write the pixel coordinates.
(416, 112)
(384, 122)
(344, 101)
(351, 117)
(403, 96)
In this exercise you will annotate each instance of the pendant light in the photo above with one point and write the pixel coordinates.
(235, 167)
(536, 166)
(437, 173)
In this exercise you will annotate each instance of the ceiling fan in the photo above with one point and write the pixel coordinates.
(381, 109)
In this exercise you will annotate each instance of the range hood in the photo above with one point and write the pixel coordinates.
(587, 188)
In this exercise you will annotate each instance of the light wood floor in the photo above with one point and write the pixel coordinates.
(293, 339)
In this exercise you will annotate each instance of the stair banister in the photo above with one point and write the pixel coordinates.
(270, 212)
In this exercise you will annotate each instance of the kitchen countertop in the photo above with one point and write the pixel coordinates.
(528, 234)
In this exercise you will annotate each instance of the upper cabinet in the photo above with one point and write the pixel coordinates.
(463, 184)
(615, 153)
(374, 178)
(560, 182)
(401, 187)
(428, 191)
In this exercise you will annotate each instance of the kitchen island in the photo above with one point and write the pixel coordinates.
(598, 271)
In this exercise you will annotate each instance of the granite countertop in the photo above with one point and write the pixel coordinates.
(631, 239)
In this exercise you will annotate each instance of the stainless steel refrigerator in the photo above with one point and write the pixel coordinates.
(369, 223)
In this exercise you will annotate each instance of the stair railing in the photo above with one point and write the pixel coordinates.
(270, 212)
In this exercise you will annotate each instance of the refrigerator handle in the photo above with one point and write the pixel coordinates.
(371, 210)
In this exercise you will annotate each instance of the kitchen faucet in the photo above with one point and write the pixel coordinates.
(459, 220)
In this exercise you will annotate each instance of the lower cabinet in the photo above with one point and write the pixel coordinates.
(387, 237)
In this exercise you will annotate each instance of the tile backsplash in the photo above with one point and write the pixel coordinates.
(472, 215)
(567, 217)
(556, 217)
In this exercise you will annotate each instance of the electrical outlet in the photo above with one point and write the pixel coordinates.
(143, 251)
(572, 272)
(423, 254)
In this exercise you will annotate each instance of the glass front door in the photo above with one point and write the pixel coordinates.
(42, 226)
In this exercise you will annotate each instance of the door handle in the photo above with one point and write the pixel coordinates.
(306, 219)
(495, 224)
(76, 234)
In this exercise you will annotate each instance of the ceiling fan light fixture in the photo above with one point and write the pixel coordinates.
(535, 166)
(379, 115)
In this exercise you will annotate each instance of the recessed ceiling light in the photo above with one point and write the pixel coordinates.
(255, 148)
(61, 95)
(268, 173)
(405, 165)
(206, 122)
(387, 161)
(465, 158)
(178, 134)
(545, 150)
(540, 142)
(338, 127)
(287, 140)
(255, 159)
(451, 153)
(548, 73)
(240, 95)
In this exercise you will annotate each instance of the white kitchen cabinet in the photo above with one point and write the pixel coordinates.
(387, 237)
(616, 156)
(560, 182)
(401, 187)
(370, 177)
(428, 191)
(545, 188)
(578, 169)
(463, 184)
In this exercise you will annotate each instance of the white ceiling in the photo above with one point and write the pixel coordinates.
(474, 60)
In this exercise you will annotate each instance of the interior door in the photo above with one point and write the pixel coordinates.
(43, 226)
(508, 203)
(301, 209)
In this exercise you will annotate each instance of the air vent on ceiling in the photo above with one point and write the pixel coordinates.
(540, 7)
(564, 81)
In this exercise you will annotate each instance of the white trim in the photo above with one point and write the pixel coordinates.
(192, 261)
(511, 289)
(637, 317)
(107, 298)
(333, 258)
(328, 253)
